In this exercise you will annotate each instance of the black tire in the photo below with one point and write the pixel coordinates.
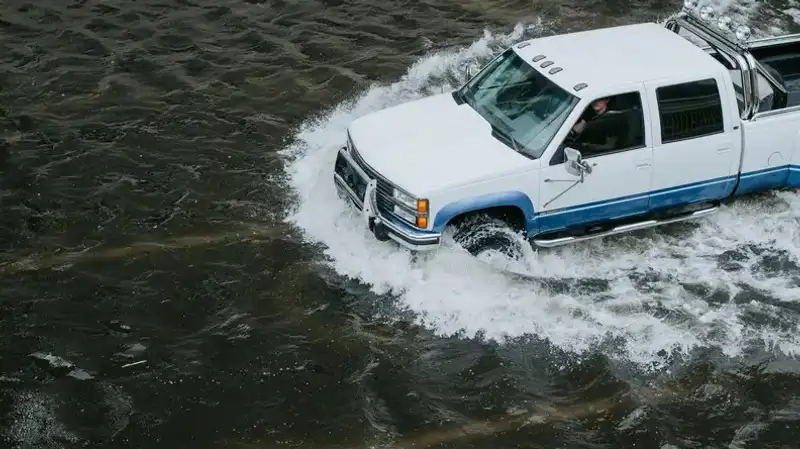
(478, 234)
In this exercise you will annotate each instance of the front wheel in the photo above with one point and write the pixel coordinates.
(481, 234)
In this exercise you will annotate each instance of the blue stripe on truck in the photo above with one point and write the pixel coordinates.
(770, 178)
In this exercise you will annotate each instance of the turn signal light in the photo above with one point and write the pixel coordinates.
(422, 222)
(422, 206)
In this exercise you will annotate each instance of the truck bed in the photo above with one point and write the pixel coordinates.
(785, 60)
(782, 60)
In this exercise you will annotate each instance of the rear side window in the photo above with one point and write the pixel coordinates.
(689, 110)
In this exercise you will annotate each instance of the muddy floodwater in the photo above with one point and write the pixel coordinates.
(176, 270)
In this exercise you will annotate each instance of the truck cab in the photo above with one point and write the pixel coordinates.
(582, 135)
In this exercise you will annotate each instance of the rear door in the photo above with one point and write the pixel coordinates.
(696, 140)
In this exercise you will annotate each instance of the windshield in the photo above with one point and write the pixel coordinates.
(524, 108)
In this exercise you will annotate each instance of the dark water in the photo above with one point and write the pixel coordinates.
(151, 294)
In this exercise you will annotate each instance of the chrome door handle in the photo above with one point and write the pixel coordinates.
(723, 150)
(642, 165)
(559, 180)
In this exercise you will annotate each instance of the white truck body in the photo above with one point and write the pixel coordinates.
(694, 126)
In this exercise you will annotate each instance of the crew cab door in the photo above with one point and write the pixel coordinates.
(696, 142)
(619, 182)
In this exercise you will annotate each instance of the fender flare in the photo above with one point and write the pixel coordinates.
(511, 198)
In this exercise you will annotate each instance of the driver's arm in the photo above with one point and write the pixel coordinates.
(609, 144)
(579, 127)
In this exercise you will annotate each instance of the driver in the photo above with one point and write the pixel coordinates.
(595, 140)
(599, 107)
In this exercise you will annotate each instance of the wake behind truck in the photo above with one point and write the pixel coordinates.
(583, 135)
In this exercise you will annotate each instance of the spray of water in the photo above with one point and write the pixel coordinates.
(673, 290)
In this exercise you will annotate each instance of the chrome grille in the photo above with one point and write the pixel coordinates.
(384, 188)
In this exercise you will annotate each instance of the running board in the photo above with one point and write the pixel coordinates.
(550, 243)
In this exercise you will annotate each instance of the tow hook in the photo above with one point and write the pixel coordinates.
(378, 229)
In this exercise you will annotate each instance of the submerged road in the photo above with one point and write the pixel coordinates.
(176, 272)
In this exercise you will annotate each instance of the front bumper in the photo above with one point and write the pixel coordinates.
(354, 184)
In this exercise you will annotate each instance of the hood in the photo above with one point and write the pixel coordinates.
(431, 144)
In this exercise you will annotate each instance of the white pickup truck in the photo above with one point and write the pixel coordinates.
(583, 135)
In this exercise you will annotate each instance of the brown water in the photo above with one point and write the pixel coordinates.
(154, 294)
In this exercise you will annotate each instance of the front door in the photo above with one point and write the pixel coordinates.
(621, 164)
(696, 151)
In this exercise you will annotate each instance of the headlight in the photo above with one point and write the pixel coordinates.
(408, 200)
(405, 214)
(413, 210)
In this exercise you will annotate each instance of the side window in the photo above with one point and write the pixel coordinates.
(767, 94)
(689, 110)
(608, 125)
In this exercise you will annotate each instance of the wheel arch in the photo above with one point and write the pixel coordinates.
(514, 207)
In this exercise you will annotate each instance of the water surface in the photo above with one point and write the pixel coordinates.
(176, 271)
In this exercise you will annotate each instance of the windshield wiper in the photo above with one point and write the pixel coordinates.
(518, 83)
(504, 136)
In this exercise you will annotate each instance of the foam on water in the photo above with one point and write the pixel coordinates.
(646, 303)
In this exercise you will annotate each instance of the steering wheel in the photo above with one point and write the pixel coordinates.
(572, 137)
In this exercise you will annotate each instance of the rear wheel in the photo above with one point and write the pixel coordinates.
(481, 233)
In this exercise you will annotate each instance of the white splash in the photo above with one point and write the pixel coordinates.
(451, 292)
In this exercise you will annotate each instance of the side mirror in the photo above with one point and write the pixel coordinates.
(575, 165)
(573, 161)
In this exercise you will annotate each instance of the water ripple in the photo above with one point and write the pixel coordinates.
(148, 282)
